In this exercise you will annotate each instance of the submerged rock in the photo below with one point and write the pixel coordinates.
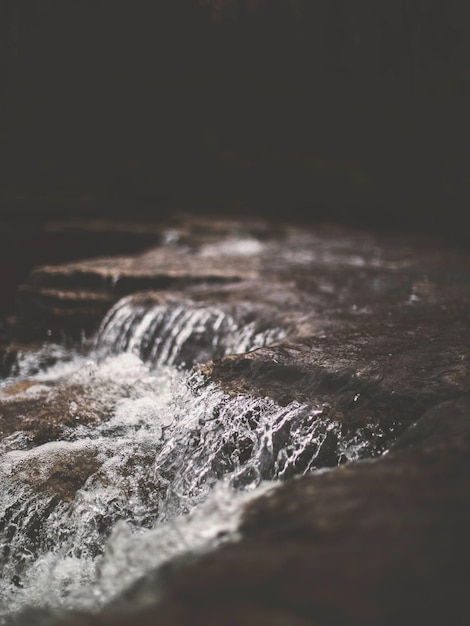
(35, 418)
(58, 469)
(42, 410)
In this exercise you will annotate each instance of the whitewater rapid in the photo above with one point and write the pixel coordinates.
(173, 459)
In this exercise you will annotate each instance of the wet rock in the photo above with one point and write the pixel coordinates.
(55, 313)
(375, 542)
(376, 330)
(156, 268)
(73, 297)
(33, 239)
(448, 419)
(406, 364)
(58, 469)
(42, 411)
(37, 424)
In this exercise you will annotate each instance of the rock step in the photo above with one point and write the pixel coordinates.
(44, 313)
(48, 299)
(422, 356)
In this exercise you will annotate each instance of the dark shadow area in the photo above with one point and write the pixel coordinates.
(288, 109)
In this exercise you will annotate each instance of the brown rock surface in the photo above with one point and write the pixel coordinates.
(41, 411)
(58, 471)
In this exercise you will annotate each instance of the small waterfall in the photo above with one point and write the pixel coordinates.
(178, 334)
(164, 468)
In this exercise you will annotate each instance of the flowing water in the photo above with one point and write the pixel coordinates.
(168, 460)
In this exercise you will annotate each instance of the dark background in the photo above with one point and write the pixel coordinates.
(347, 110)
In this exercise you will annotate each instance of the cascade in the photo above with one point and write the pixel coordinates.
(166, 471)
(178, 334)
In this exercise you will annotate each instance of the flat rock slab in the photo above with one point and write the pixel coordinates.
(403, 363)
(154, 268)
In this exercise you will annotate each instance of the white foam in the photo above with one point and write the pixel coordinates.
(233, 246)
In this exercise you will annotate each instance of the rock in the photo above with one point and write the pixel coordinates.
(377, 340)
(451, 418)
(40, 414)
(374, 542)
(37, 424)
(156, 268)
(59, 469)
(376, 545)
(403, 366)
(41, 411)
(48, 312)
(38, 239)
(73, 297)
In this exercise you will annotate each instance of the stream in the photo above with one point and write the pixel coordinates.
(169, 459)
